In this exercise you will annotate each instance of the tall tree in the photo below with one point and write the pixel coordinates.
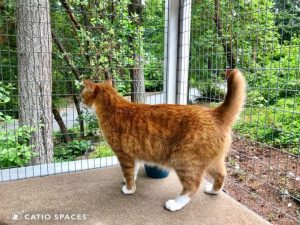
(34, 74)
(135, 11)
(76, 73)
(227, 45)
(287, 18)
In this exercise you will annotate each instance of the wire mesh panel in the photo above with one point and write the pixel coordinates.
(261, 37)
(46, 50)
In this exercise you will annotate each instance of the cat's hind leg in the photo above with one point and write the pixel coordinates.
(217, 171)
(190, 179)
(137, 165)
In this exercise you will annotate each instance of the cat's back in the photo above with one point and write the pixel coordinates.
(193, 112)
(176, 116)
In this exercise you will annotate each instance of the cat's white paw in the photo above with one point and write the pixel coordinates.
(209, 190)
(178, 203)
(172, 205)
(128, 192)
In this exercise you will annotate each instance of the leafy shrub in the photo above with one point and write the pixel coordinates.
(103, 150)
(123, 87)
(211, 89)
(153, 73)
(277, 125)
(91, 122)
(15, 149)
(266, 89)
(71, 150)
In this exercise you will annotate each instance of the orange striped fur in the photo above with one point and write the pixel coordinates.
(188, 138)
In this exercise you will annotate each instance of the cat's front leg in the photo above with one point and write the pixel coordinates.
(137, 165)
(127, 165)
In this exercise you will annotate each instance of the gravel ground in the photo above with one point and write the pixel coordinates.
(266, 180)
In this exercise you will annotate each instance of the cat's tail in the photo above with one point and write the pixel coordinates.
(232, 106)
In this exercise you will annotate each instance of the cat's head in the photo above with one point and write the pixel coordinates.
(91, 90)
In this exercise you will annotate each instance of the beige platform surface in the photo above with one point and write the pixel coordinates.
(94, 198)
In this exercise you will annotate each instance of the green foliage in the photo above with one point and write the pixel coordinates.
(102, 150)
(123, 87)
(71, 150)
(263, 34)
(287, 18)
(101, 40)
(8, 54)
(5, 92)
(102, 48)
(277, 125)
(269, 56)
(91, 122)
(244, 28)
(210, 88)
(153, 73)
(15, 148)
(267, 86)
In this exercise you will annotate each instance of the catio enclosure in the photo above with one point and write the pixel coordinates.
(156, 52)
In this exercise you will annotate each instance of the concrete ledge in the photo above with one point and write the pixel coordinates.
(56, 168)
(95, 196)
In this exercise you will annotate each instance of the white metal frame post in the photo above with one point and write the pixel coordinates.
(171, 40)
(176, 52)
(183, 51)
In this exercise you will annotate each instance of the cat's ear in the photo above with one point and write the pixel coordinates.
(88, 84)
(91, 87)
(227, 72)
(109, 82)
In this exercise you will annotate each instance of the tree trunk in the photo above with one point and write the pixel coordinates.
(86, 21)
(60, 123)
(137, 81)
(226, 46)
(137, 72)
(209, 65)
(34, 74)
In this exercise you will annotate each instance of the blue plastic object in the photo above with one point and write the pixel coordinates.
(156, 172)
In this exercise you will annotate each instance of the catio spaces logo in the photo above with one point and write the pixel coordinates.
(17, 215)
(22, 215)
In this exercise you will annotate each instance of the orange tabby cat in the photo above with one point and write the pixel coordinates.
(188, 138)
